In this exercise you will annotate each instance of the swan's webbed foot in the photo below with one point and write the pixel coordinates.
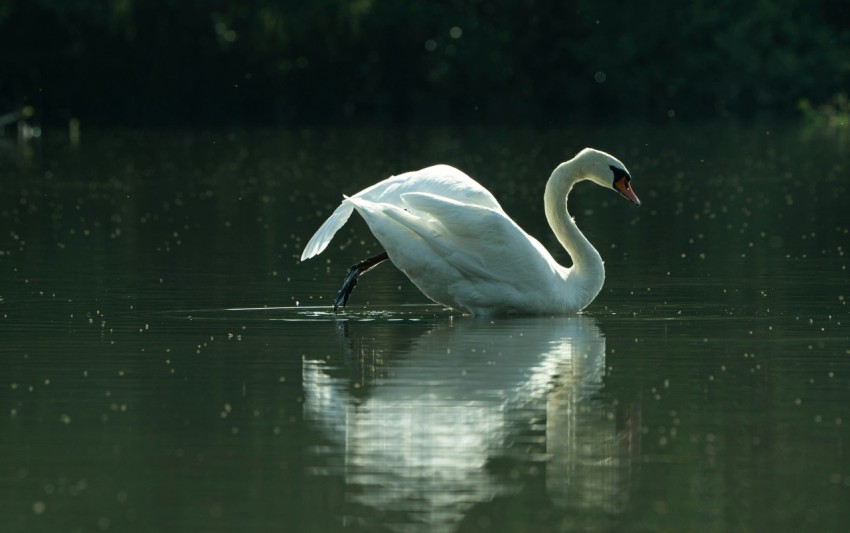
(353, 274)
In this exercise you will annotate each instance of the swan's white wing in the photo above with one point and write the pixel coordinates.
(474, 235)
(441, 249)
(441, 180)
(462, 255)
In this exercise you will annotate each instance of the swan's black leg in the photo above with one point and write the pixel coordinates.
(353, 273)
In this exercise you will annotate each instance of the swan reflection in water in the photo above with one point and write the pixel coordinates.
(423, 430)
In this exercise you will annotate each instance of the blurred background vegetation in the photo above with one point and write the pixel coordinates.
(297, 62)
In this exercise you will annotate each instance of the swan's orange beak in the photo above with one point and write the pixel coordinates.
(623, 187)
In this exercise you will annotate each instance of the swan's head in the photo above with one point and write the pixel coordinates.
(607, 171)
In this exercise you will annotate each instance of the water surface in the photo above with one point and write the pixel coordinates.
(169, 365)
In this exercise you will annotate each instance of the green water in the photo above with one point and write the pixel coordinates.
(167, 364)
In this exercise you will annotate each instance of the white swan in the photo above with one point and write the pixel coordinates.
(450, 236)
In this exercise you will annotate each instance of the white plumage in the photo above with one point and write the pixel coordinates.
(454, 241)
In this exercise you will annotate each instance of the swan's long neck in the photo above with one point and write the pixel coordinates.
(588, 272)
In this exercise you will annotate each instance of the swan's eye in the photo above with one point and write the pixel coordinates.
(620, 174)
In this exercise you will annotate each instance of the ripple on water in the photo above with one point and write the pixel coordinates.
(393, 313)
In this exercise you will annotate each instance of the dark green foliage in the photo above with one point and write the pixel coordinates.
(337, 61)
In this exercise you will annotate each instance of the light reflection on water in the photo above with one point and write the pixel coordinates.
(418, 433)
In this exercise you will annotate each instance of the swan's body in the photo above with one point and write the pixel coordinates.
(450, 236)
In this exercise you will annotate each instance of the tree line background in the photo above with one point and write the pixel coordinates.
(546, 62)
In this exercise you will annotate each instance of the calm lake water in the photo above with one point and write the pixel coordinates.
(167, 364)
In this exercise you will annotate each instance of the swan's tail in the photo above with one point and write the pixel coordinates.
(323, 236)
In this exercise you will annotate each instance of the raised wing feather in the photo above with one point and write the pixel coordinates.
(320, 240)
(442, 180)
